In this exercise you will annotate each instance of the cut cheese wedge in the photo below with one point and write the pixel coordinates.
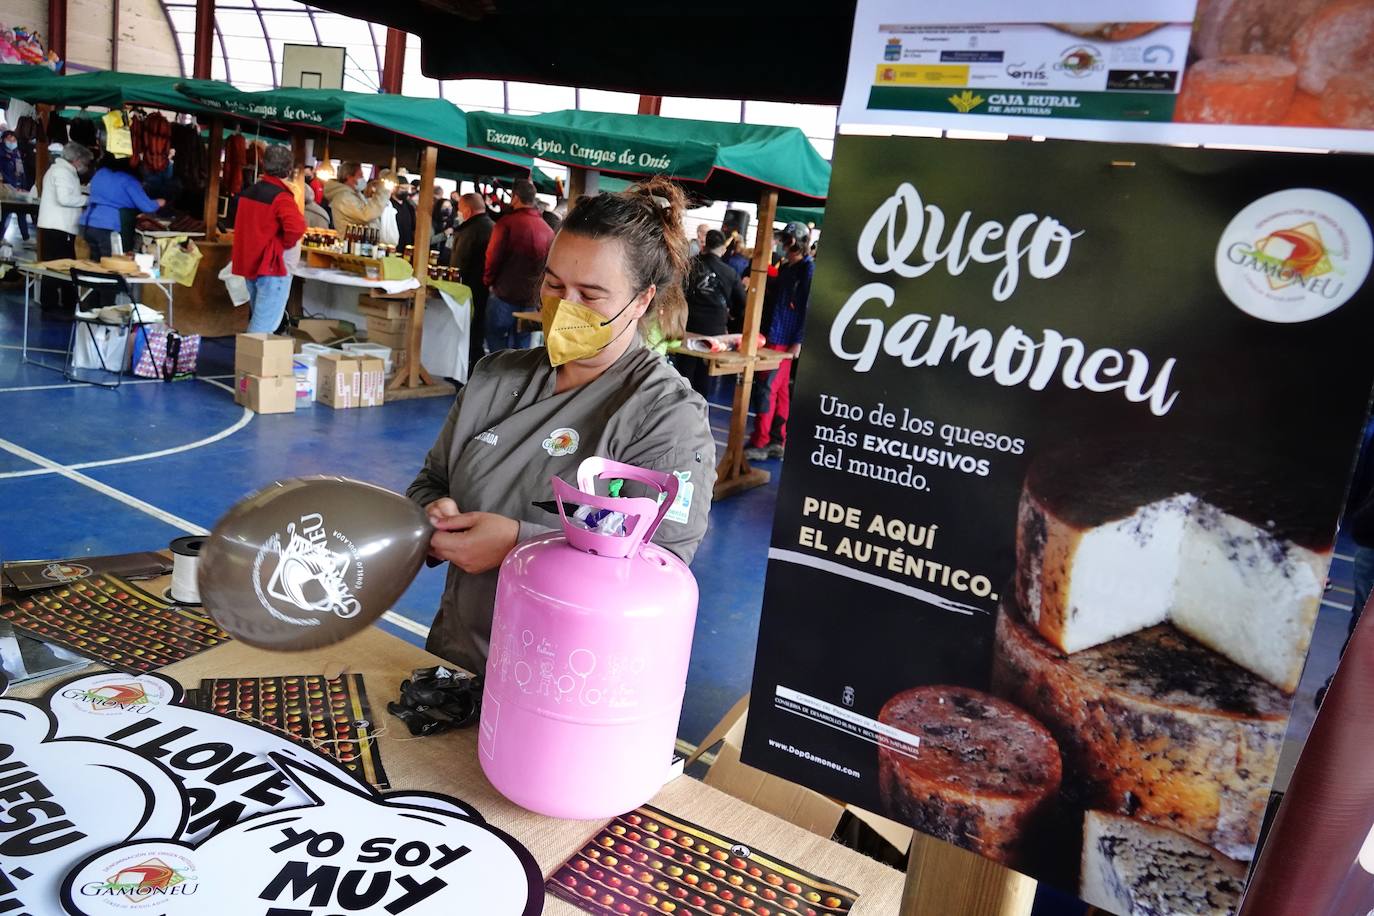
(1136, 869)
(1228, 567)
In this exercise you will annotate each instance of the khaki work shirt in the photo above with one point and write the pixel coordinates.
(508, 433)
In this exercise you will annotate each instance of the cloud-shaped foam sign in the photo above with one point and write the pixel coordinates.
(222, 763)
(63, 798)
(351, 851)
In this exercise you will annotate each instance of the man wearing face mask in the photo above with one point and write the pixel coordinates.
(353, 201)
(12, 173)
(595, 389)
(405, 217)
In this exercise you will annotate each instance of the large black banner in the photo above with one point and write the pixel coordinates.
(1071, 434)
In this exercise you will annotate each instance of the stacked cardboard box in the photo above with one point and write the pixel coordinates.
(348, 380)
(264, 380)
(388, 323)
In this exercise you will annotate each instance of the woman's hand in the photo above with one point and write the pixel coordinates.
(474, 541)
(441, 508)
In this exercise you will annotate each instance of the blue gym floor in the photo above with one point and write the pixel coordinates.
(87, 471)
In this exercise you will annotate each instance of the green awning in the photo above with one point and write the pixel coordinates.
(365, 116)
(810, 216)
(722, 160)
(102, 88)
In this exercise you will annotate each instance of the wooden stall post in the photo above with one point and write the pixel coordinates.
(733, 473)
(411, 373)
(942, 879)
(40, 165)
(212, 179)
(582, 183)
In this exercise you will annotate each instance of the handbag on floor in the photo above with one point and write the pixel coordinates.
(166, 355)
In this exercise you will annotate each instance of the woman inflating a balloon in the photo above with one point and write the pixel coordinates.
(615, 268)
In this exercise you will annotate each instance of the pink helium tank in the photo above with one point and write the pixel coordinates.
(589, 647)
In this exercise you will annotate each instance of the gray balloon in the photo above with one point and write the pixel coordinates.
(305, 563)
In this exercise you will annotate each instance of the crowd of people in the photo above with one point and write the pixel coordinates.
(499, 246)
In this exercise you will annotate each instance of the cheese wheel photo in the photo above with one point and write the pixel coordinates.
(983, 773)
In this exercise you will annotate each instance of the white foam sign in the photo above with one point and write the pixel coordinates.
(63, 798)
(351, 851)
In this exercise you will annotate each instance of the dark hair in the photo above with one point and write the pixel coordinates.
(278, 161)
(9, 133)
(115, 163)
(523, 189)
(714, 239)
(647, 219)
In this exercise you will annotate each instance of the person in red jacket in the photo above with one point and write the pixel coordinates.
(268, 224)
(515, 267)
(313, 182)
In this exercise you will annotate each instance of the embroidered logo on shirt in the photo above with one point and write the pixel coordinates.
(562, 441)
(489, 437)
(681, 509)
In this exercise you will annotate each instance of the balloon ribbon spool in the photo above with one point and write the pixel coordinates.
(185, 568)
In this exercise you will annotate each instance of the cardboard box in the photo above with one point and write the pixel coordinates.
(372, 385)
(386, 325)
(807, 809)
(338, 381)
(321, 331)
(350, 381)
(263, 355)
(374, 306)
(266, 395)
(397, 341)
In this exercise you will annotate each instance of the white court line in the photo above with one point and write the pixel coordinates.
(161, 515)
(32, 349)
(242, 421)
(174, 450)
(131, 381)
(134, 502)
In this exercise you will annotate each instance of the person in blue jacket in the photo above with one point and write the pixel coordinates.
(113, 187)
(12, 174)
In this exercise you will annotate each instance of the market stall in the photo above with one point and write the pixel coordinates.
(205, 306)
(419, 135)
(713, 160)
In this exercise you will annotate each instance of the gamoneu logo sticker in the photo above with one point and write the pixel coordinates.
(65, 572)
(316, 571)
(115, 694)
(1294, 255)
(139, 879)
(562, 441)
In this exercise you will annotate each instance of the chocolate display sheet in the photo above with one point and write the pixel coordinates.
(920, 408)
(649, 861)
(329, 715)
(113, 622)
(27, 575)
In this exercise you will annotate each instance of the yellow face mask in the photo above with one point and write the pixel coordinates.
(573, 331)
